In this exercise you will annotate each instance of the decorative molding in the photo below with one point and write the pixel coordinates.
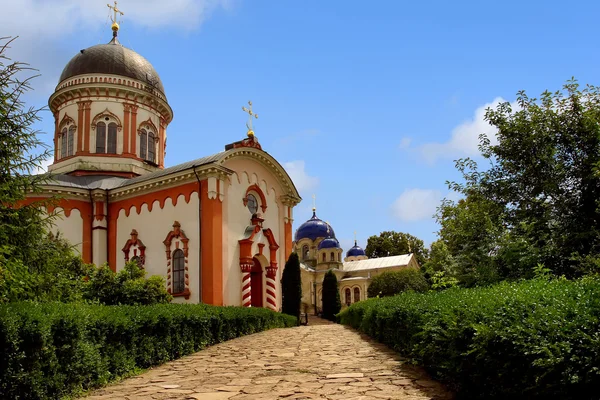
(256, 189)
(149, 123)
(179, 236)
(135, 242)
(66, 120)
(107, 113)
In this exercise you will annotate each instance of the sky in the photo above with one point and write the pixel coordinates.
(366, 104)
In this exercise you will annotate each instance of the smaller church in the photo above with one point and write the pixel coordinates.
(319, 251)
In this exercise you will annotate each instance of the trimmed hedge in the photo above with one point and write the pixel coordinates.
(533, 339)
(51, 350)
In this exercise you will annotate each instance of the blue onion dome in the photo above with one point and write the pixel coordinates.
(329, 243)
(314, 228)
(355, 251)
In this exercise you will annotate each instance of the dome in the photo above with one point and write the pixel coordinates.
(355, 251)
(114, 59)
(329, 243)
(314, 228)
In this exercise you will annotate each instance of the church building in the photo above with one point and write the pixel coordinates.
(218, 228)
(319, 251)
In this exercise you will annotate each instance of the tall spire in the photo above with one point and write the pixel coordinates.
(314, 196)
(355, 239)
(115, 24)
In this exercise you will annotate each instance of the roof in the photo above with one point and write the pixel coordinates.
(314, 228)
(115, 59)
(376, 263)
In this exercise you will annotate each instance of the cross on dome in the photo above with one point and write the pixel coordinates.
(115, 25)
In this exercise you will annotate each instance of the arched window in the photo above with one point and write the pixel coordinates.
(305, 252)
(178, 271)
(63, 143)
(111, 143)
(356, 294)
(332, 256)
(101, 137)
(324, 257)
(339, 257)
(147, 145)
(71, 140)
(348, 296)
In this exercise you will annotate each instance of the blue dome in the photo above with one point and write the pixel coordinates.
(314, 228)
(329, 243)
(355, 251)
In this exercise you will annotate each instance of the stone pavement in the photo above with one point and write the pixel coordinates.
(319, 361)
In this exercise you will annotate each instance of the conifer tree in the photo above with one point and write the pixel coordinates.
(332, 303)
(291, 286)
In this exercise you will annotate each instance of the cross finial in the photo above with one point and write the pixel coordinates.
(251, 114)
(355, 238)
(115, 25)
(314, 196)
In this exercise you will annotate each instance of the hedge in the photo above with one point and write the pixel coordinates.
(533, 339)
(52, 350)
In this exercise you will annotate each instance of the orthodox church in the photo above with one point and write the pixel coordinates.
(319, 251)
(218, 228)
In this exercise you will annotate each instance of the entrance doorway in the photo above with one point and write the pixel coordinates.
(256, 280)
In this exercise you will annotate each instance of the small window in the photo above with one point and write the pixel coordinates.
(178, 271)
(252, 203)
(143, 144)
(356, 294)
(332, 257)
(324, 257)
(305, 253)
(71, 141)
(348, 296)
(63, 143)
(339, 257)
(111, 145)
(148, 145)
(101, 137)
(151, 147)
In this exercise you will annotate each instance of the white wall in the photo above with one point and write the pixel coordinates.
(70, 228)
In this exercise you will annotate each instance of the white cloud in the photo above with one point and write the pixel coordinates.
(405, 143)
(304, 182)
(43, 167)
(464, 140)
(416, 204)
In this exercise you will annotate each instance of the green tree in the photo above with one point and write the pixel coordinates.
(391, 283)
(332, 303)
(291, 286)
(390, 243)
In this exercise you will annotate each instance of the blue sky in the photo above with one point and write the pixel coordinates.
(366, 104)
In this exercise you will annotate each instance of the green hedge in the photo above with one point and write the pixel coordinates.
(51, 350)
(533, 339)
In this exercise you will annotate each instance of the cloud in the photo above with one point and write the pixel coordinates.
(304, 182)
(416, 204)
(405, 143)
(42, 25)
(43, 167)
(464, 140)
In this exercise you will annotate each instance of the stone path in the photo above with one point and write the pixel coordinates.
(319, 361)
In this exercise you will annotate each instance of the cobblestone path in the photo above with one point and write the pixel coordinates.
(319, 361)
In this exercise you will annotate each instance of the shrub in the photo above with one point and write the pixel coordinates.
(533, 339)
(291, 287)
(331, 296)
(394, 282)
(52, 350)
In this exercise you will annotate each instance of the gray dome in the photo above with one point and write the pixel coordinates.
(114, 59)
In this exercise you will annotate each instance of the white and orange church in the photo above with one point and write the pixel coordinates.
(219, 228)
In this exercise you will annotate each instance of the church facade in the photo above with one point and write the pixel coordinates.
(218, 228)
(319, 251)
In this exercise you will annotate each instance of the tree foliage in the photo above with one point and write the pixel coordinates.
(390, 243)
(391, 283)
(332, 303)
(537, 202)
(291, 286)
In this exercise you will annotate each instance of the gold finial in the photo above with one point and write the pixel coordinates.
(115, 24)
(314, 196)
(251, 114)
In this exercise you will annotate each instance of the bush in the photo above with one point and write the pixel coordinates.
(331, 296)
(291, 287)
(51, 350)
(394, 282)
(533, 339)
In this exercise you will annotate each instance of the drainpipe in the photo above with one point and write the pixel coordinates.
(107, 244)
(91, 227)
(199, 236)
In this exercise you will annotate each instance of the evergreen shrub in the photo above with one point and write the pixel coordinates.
(393, 282)
(52, 350)
(291, 287)
(332, 303)
(536, 339)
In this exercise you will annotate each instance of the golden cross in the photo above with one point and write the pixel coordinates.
(314, 196)
(116, 10)
(250, 115)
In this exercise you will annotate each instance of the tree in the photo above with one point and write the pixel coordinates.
(542, 185)
(291, 286)
(332, 303)
(391, 283)
(390, 243)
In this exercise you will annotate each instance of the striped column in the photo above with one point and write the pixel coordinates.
(271, 290)
(246, 285)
